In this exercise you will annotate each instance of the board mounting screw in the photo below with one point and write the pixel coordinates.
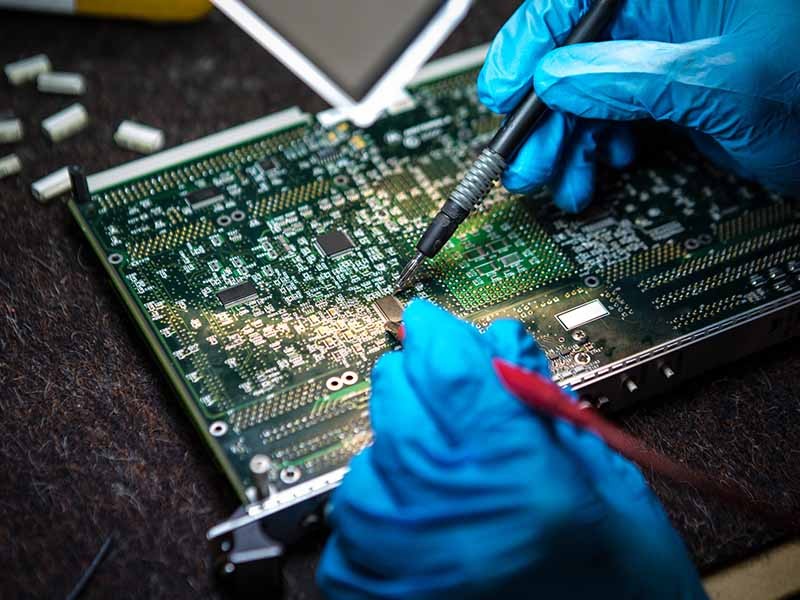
(630, 385)
(260, 469)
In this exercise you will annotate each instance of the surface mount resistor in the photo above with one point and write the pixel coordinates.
(139, 138)
(10, 165)
(65, 123)
(10, 130)
(27, 69)
(52, 185)
(71, 84)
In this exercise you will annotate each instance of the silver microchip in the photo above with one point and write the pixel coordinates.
(391, 311)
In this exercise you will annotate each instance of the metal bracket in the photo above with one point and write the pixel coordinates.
(248, 550)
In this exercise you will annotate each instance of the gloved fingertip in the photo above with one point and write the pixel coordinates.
(497, 95)
(574, 188)
(384, 367)
(485, 92)
(538, 159)
(418, 314)
(549, 71)
(517, 183)
(574, 192)
(429, 329)
(620, 148)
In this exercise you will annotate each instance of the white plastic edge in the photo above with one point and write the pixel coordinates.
(436, 69)
(191, 150)
(388, 87)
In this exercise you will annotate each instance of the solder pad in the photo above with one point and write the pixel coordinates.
(269, 341)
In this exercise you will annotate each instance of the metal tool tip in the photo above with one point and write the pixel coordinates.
(408, 272)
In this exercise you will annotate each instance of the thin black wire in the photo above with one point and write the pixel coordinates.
(87, 574)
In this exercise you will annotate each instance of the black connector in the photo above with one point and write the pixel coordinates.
(80, 185)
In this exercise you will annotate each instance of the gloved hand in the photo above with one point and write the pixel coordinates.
(465, 493)
(727, 70)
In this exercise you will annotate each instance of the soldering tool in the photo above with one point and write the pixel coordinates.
(489, 166)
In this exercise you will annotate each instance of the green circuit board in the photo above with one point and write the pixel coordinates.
(253, 269)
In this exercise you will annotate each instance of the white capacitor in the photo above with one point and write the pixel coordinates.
(10, 130)
(72, 84)
(66, 123)
(27, 69)
(52, 185)
(10, 165)
(138, 137)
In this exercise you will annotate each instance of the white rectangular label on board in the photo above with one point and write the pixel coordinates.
(580, 315)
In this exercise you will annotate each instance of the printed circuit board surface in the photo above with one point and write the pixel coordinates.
(252, 261)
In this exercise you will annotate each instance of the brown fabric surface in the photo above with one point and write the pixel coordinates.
(95, 442)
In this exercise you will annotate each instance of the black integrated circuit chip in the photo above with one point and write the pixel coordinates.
(334, 243)
(206, 197)
(328, 153)
(238, 294)
(268, 164)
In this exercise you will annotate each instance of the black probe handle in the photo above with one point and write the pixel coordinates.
(521, 122)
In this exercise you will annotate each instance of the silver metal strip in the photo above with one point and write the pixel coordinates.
(197, 148)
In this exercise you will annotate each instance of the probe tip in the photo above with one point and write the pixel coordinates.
(409, 270)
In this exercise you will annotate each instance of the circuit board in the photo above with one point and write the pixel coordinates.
(252, 261)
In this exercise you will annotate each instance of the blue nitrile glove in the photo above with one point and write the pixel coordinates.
(727, 70)
(466, 493)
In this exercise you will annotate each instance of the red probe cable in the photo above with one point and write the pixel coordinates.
(546, 397)
(542, 395)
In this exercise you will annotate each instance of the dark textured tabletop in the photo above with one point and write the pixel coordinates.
(96, 444)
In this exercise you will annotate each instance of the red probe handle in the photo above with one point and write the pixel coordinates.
(546, 397)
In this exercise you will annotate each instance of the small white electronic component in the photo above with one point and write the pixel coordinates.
(10, 165)
(27, 69)
(72, 84)
(52, 185)
(66, 123)
(10, 130)
(580, 315)
(139, 138)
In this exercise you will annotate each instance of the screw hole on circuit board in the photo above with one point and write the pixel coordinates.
(218, 428)
(290, 474)
(582, 358)
(591, 281)
(340, 180)
(704, 239)
(115, 258)
(223, 220)
(238, 215)
(349, 377)
(334, 384)
(691, 244)
(412, 142)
